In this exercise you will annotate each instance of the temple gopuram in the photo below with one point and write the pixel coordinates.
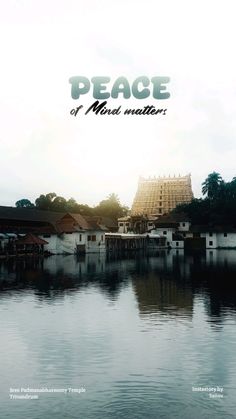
(160, 195)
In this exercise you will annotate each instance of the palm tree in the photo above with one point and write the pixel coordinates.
(212, 184)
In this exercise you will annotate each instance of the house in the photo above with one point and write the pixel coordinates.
(64, 233)
(124, 224)
(215, 237)
(30, 244)
(106, 223)
(174, 227)
(137, 224)
(180, 233)
(77, 234)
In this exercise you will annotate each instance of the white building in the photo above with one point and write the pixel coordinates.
(136, 224)
(217, 237)
(124, 225)
(64, 233)
(174, 231)
(181, 234)
(75, 234)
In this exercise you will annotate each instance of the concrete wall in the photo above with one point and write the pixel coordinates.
(226, 241)
(98, 245)
(165, 232)
(63, 243)
(215, 240)
(123, 226)
(211, 240)
(184, 226)
(168, 233)
(67, 243)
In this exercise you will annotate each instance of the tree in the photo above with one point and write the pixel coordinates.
(71, 205)
(58, 204)
(84, 209)
(24, 203)
(218, 207)
(44, 202)
(111, 207)
(212, 185)
(232, 188)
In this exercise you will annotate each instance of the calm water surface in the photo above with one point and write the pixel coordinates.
(136, 332)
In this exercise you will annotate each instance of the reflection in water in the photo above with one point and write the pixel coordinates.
(163, 281)
(137, 332)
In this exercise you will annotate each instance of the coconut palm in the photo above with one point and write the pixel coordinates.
(212, 184)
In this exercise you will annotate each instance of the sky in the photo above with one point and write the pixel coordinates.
(43, 148)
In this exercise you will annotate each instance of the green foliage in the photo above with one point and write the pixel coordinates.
(24, 203)
(219, 207)
(109, 207)
(52, 202)
(44, 202)
(212, 185)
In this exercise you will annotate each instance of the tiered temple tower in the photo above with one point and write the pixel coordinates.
(160, 195)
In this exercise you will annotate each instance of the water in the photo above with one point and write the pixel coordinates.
(137, 333)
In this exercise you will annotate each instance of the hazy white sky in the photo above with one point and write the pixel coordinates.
(43, 43)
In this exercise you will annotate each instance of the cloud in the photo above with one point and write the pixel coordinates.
(43, 148)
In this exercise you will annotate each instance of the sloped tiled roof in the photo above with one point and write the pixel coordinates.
(29, 214)
(212, 229)
(171, 219)
(105, 221)
(94, 224)
(59, 222)
(30, 239)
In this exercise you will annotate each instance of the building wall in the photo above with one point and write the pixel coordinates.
(123, 226)
(95, 246)
(63, 243)
(211, 240)
(67, 243)
(165, 232)
(216, 240)
(226, 241)
(188, 235)
(184, 226)
(168, 233)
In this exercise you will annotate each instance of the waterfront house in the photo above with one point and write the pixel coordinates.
(174, 228)
(137, 224)
(124, 224)
(106, 223)
(215, 237)
(180, 233)
(29, 244)
(64, 233)
(75, 234)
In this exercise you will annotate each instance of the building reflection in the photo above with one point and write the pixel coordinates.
(165, 282)
(162, 287)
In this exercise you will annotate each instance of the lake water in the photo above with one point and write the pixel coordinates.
(132, 334)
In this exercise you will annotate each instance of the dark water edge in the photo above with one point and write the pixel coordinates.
(137, 332)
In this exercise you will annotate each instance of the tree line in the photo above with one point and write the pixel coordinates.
(218, 205)
(109, 207)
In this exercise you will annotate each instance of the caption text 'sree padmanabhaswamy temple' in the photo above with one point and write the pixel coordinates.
(160, 195)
